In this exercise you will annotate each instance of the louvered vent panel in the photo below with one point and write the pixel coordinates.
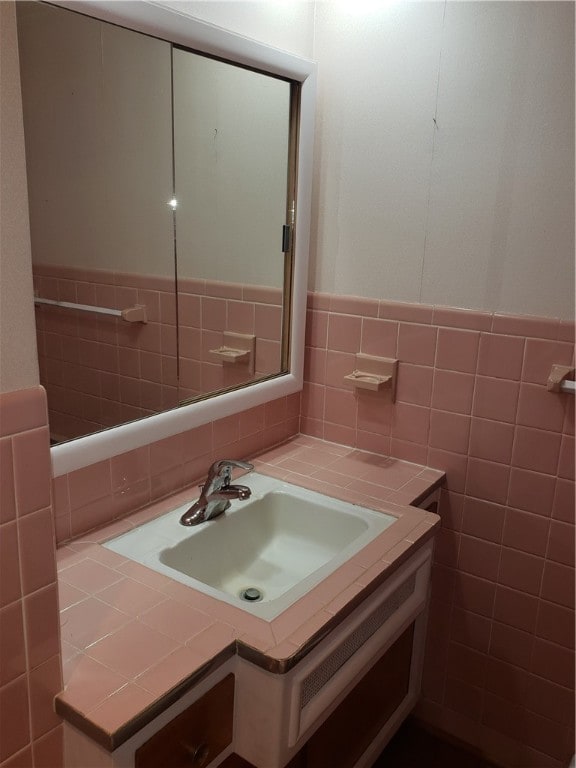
(318, 678)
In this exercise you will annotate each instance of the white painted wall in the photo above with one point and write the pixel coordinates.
(474, 211)
(18, 356)
(377, 86)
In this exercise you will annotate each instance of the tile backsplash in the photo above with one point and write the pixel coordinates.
(30, 668)
(471, 399)
(106, 491)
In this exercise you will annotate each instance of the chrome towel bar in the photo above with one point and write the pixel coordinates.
(135, 314)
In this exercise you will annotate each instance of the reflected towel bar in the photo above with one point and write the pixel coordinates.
(135, 314)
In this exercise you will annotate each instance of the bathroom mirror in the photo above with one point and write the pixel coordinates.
(159, 179)
(269, 294)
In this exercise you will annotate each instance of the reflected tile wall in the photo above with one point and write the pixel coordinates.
(101, 371)
(472, 400)
(30, 668)
(205, 310)
(98, 370)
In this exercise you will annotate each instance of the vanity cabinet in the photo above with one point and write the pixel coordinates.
(352, 727)
(336, 706)
(344, 737)
(197, 736)
(235, 761)
(342, 702)
(196, 731)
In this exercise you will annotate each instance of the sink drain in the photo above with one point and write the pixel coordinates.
(251, 594)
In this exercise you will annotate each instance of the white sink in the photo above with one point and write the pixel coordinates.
(282, 542)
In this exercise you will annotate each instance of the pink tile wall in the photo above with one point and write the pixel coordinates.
(109, 490)
(472, 401)
(205, 310)
(30, 668)
(101, 371)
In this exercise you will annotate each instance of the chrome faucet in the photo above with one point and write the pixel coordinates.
(217, 492)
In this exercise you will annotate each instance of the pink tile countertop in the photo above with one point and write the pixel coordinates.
(133, 640)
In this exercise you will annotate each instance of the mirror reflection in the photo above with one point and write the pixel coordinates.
(231, 143)
(158, 185)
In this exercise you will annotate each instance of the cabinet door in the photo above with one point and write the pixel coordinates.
(235, 761)
(356, 722)
(196, 736)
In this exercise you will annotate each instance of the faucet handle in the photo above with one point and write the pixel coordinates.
(223, 468)
(231, 463)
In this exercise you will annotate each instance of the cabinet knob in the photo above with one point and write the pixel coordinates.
(198, 753)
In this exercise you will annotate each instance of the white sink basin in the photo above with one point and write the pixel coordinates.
(282, 542)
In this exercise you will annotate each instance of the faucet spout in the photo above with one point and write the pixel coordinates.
(242, 491)
(217, 492)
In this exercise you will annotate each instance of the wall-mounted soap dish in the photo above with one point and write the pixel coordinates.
(236, 349)
(362, 380)
(229, 355)
(374, 374)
